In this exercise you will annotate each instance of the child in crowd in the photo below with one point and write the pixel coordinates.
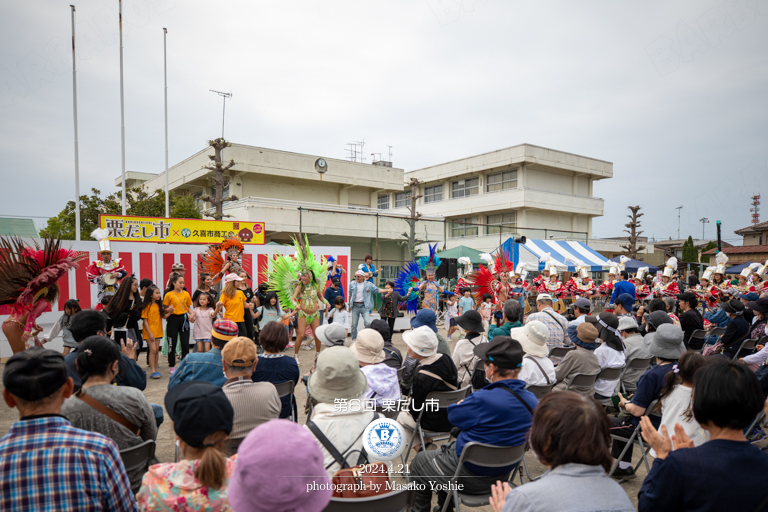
(451, 312)
(153, 311)
(104, 302)
(486, 309)
(467, 303)
(339, 315)
(202, 316)
(71, 307)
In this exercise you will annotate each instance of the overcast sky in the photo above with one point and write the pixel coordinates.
(675, 94)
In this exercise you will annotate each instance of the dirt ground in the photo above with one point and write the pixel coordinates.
(156, 390)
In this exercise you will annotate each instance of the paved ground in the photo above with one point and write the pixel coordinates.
(166, 439)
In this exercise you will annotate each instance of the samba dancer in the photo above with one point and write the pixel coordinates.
(28, 286)
(213, 262)
(105, 272)
(430, 288)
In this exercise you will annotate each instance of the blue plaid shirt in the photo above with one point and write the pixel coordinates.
(48, 465)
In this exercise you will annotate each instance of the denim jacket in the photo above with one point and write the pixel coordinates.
(200, 366)
(368, 290)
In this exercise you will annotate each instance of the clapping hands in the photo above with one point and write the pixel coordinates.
(661, 441)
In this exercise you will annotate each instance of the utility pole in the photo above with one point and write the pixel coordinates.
(165, 97)
(122, 102)
(704, 221)
(224, 95)
(678, 221)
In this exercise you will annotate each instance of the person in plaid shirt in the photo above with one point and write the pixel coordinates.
(555, 322)
(45, 463)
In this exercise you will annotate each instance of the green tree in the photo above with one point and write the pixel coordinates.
(138, 202)
(710, 245)
(690, 253)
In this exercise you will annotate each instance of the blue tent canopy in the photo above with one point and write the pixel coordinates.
(632, 265)
(532, 250)
(736, 269)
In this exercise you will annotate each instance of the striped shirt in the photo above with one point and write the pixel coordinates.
(48, 465)
(254, 403)
(557, 325)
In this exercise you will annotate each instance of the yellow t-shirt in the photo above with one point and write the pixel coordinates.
(234, 307)
(180, 302)
(152, 317)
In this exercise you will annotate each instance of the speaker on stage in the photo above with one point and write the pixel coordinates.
(448, 268)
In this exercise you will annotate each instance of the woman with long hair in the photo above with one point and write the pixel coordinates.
(206, 285)
(124, 311)
(177, 324)
(153, 312)
(242, 285)
(232, 299)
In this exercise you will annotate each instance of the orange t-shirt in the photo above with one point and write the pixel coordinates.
(234, 307)
(154, 320)
(180, 301)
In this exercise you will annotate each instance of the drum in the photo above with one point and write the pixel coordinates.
(110, 279)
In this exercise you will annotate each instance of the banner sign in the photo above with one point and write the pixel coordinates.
(124, 228)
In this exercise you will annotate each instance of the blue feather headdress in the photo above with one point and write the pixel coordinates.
(409, 277)
(431, 262)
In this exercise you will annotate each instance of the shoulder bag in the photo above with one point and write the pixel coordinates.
(109, 412)
(355, 481)
(540, 368)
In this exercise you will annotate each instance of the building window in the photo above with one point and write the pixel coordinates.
(462, 227)
(401, 199)
(508, 222)
(501, 181)
(383, 202)
(433, 194)
(465, 188)
(224, 191)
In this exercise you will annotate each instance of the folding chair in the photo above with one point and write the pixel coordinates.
(747, 346)
(759, 421)
(489, 456)
(697, 340)
(560, 351)
(137, 457)
(284, 389)
(400, 372)
(634, 364)
(582, 380)
(540, 391)
(231, 446)
(387, 414)
(444, 399)
(635, 438)
(611, 373)
(395, 501)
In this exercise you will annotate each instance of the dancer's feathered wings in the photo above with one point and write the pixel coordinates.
(408, 277)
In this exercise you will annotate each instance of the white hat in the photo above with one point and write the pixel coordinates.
(762, 269)
(359, 273)
(708, 273)
(102, 235)
(627, 322)
(331, 335)
(423, 341)
(613, 269)
(533, 337)
(671, 267)
(721, 258)
(369, 347)
(543, 296)
(641, 273)
(232, 277)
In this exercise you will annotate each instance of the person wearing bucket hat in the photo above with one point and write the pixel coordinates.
(666, 346)
(331, 335)
(463, 353)
(202, 419)
(206, 366)
(427, 317)
(610, 353)
(435, 372)
(499, 414)
(287, 456)
(737, 329)
(634, 349)
(336, 381)
(582, 360)
(382, 379)
(537, 369)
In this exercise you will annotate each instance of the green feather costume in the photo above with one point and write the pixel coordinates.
(284, 272)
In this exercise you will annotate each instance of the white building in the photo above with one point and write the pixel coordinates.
(476, 201)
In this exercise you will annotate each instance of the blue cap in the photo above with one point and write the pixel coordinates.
(425, 317)
(750, 296)
(625, 299)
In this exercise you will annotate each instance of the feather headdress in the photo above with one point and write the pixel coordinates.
(431, 262)
(213, 260)
(284, 271)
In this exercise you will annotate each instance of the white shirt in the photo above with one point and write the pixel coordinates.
(359, 292)
(337, 316)
(608, 358)
(343, 429)
(672, 411)
(465, 359)
(531, 374)
(578, 321)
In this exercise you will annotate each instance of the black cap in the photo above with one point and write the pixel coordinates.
(335, 280)
(35, 374)
(198, 409)
(502, 351)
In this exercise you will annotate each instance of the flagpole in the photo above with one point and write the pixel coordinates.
(165, 79)
(77, 156)
(122, 106)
